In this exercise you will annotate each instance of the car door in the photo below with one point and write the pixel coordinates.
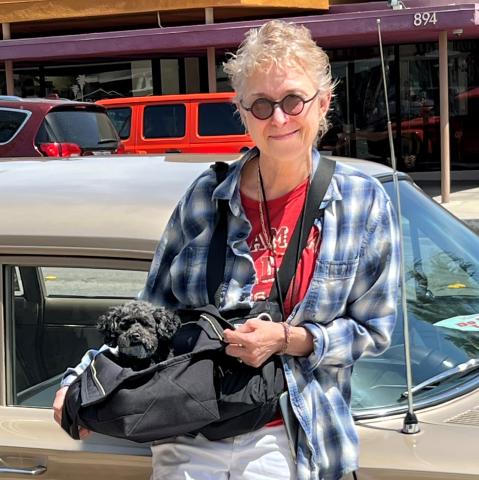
(49, 312)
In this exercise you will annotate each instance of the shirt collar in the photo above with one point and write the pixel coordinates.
(229, 188)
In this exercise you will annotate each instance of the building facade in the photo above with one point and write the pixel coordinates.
(155, 48)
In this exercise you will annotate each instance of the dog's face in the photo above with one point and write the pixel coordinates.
(139, 330)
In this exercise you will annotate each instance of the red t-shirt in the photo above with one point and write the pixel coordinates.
(284, 212)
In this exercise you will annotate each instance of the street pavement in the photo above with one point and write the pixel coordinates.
(463, 200)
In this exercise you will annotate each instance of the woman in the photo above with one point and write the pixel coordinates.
(342, 300)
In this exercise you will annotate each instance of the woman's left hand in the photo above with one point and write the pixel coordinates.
(254, 341)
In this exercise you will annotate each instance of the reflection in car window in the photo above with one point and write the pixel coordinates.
(121, 119)
(442, 287)
(91, 282)
(10, 123)
(219, 118)
(54, 322)
(17, 283)
(164, 121)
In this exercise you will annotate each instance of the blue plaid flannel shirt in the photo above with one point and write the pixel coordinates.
(350, 306)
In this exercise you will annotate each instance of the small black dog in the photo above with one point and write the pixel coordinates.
(141, 331)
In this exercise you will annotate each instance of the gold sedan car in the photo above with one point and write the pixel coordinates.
(78, 235)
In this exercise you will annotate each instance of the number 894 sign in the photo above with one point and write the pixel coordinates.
(425, 18)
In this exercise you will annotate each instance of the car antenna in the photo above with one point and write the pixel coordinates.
(410, 424)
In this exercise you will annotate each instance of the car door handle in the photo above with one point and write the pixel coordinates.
(32, 472)
(172, 150)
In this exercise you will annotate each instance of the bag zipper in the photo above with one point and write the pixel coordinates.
(99, 385)
(214, 326)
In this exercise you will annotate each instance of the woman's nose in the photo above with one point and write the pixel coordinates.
(279, 117)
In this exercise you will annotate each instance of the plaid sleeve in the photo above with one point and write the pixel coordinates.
(158, 283)
(372, 302)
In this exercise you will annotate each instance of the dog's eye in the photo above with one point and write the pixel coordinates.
(125, 324)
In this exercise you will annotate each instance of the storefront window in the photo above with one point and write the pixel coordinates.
(464, 103)
(26, 82)
(358, 114)
(170, 81)
(91, 82)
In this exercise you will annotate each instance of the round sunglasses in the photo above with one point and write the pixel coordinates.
(263, 108)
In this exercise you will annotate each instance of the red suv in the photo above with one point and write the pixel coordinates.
(37, 127)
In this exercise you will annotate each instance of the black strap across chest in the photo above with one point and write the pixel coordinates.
(217, 249)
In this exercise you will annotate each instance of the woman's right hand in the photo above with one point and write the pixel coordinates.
(57, 411)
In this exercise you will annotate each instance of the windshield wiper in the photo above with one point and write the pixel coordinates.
(458, 370)
(107, 140)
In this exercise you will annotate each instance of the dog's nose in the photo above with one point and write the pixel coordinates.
(136, 336)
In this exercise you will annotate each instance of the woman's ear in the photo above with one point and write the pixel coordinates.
(324, 103)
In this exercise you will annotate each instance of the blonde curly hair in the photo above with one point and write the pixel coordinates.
(283, 45)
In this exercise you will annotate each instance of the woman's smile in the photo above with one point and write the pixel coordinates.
(283, 136)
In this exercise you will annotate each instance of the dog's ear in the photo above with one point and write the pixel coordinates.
(108, 325)
(167, 322)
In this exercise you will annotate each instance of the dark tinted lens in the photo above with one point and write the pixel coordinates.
(292, 105)
(262, 108)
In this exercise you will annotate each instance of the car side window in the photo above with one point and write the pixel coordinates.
(121, 119)
(219, 118)
(51, 316)
(164, 121)
(91, 282)
(11, 121)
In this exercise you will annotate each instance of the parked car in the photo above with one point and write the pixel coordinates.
(190, 123)
(44, 127)
(78, 235)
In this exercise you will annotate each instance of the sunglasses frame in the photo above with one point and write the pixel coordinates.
(279, 104)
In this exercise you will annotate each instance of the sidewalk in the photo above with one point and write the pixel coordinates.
(463, 201)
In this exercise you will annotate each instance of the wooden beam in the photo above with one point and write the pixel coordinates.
(13, 11)
(444, 118)
(8, 63)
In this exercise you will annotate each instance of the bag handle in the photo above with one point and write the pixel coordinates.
(217, 252)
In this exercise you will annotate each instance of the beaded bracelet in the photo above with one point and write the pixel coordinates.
(287, 337)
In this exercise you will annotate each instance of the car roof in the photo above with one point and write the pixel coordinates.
(183, 97)
(43, 104)
(112, 206)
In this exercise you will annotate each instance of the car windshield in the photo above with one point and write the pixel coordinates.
(442, 288)
(88, 129)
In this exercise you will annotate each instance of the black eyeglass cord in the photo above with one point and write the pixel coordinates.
(298, 247)
(270, 231)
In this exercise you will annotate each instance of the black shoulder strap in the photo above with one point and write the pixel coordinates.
(217, 251)
(317, 191)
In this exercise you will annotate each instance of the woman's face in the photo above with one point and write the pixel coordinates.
(283, 136)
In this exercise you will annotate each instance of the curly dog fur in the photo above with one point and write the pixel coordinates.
(141, 331)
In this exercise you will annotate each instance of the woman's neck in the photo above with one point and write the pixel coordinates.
(280, 177)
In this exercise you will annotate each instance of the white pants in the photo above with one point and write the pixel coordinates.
(260, 455)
